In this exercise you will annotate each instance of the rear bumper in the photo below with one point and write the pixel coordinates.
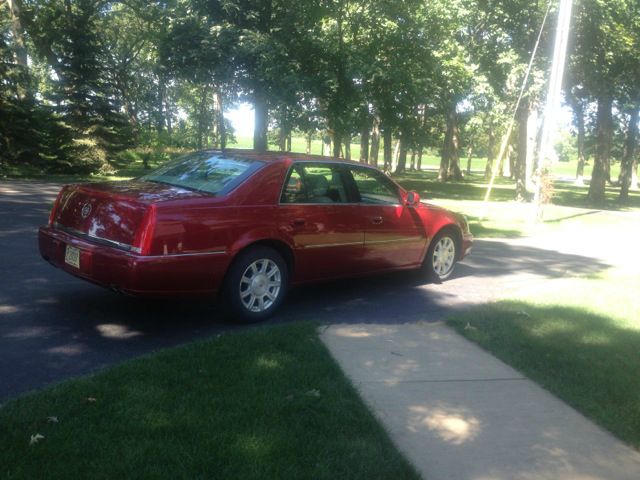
(182, 274)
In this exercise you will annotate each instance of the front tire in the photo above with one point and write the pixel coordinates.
(255, 285)
(442, 256)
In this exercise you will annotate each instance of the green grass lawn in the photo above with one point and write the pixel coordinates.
(267, 403)
(579, 338)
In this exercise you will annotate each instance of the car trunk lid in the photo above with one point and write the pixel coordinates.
(111, 212)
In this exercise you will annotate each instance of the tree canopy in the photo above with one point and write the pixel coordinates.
(83, 80)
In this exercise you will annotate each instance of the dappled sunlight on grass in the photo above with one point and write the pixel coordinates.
(254, 446)
(265, 403)
(269, 362)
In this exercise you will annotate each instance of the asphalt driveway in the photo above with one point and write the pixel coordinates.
(54, 326)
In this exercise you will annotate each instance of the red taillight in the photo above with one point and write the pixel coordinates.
(54, 209)
(144, 236)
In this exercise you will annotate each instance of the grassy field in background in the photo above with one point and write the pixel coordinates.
(579, 338)
(264, 403)
(501, 217)
(131, 164)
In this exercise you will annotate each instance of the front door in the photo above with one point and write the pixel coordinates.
(394, 233)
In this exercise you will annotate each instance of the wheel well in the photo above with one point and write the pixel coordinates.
(457, 236)
(282, 248)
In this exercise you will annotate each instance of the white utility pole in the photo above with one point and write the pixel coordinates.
(552, 107)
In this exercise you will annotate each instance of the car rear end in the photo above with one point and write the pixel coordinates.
(104, 233)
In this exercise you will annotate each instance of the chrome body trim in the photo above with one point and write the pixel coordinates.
(395, 240)
(95, 238)
(187, 254)
(325, 245)
(128, 248)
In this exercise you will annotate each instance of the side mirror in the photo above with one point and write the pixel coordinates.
(412, 199)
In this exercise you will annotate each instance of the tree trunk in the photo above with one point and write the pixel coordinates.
(419, 158)
(375, 142)
(289, 141)
(337, 144)
(219, 116)
(628, 155)
(531, 162)
(443, 172)
(387, 141)
(282, 138)
(491, 154)
(402, 155)
(396, 155)
(450, 159)
(201, 117)
(308, 150)
(347, 147)
(601, 165)
(160, 104)
(412, 167)
(261, 123)
(520, 170)
(167, 111)
(508, 163)
(578, 110)
(326, 145)
(454, 152)
(364, 140)
(17, 31)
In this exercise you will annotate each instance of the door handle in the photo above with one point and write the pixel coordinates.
(297, 222)
(376, 220)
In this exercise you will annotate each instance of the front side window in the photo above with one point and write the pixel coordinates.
(374, 187)
(315, 183)
(214, 173)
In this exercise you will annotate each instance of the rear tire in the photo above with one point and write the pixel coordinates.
(255, 285)
(442, 256)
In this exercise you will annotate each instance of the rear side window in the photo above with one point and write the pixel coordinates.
(315, 183)
(213, 173)
(374, 187)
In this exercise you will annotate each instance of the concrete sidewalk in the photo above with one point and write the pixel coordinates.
(457, 412)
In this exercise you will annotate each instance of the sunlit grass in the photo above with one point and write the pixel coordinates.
(266, 403)
(579, 338)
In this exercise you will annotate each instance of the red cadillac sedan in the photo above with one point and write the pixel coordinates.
(247, 226)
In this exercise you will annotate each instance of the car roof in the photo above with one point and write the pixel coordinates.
(285, 156)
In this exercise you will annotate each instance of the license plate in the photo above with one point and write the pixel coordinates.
(72, 256)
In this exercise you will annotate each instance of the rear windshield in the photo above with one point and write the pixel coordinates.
(214, 173)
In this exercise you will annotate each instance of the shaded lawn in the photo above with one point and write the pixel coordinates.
(474, 187)
(579, 339)
(264, 403)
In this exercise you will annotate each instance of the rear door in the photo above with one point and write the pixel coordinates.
(394, 235)
(321, 222)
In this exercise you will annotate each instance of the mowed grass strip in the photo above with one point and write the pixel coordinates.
(580, 340)
(266, 403)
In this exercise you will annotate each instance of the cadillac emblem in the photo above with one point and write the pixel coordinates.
(86, 210)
